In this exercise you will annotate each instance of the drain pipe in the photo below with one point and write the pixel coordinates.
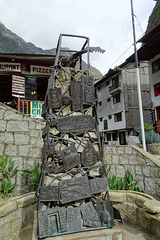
(138, 81)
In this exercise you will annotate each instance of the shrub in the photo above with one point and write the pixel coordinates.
(6, 174)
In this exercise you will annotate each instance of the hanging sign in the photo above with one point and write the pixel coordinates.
(36, 109)
(11, 67)
(40, 70)
(18, 86)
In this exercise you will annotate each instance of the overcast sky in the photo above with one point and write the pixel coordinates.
(106, 22)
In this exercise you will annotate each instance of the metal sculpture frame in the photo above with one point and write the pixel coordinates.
(68, 194)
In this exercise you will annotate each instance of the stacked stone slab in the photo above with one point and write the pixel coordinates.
(73, 172)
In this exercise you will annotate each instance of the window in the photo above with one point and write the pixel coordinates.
(157, 89)
(108, 136)
(115, 81)
(100, 103)
(118, 117)
(156, 66)
(114, 136)
(116, 98)
(101, 119)
(105, 124)
(109, 116)
(99, 88)
(108, 99)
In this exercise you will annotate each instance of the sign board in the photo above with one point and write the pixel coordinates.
(10, 67)
(36, 109)
(18, 86)
(40, 70)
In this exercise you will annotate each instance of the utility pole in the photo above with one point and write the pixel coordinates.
(138, 81)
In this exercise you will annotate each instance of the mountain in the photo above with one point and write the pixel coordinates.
(11, 43)
(154, 19)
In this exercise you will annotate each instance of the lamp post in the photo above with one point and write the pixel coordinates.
(138, 81)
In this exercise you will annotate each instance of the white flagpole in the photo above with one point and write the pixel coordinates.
(138, 81)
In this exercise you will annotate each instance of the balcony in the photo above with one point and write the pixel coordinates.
(115, 88)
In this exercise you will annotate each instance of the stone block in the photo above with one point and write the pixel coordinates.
(128, 150)
(9, 137)
(146, 170)
(12, 115)
(141, 161)
(108, 150)
(5, 231)
(152, 206)
(26, 200)
(117, 196)
(1, 149)
(18, 161)
(113, 170)
(17, 126)
(33, 141)
(150, 163)
(7, 207)
(123, 159)
(2, 111)
(115, 159)
(155, 172)
(2, 137)
(120, 150)
(23, 150)
(32, 124)
(120, 172)
(11, 150)
(16, 225)
(108, 159)
(133, 160)
(2, 125)
(34, 133)
(140, 200)
(21, 139)
(131, 197)
(150, 186)
(138, 170)
(39, 125)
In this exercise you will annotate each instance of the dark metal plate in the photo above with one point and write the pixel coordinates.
(99, 185)
(90, 216)
(75, 124)
(74, 189)
(105, 212)
(74, 219)
(70, 157)
(88, 90)
(89, 156)
(43, 224)
(76, 96)
(55, 98)
(49, 193)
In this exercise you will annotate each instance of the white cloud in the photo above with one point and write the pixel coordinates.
(106, 23)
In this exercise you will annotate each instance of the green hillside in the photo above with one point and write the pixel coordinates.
(154, 19)
(11, 43)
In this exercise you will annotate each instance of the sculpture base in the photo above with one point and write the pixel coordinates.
(114, 233)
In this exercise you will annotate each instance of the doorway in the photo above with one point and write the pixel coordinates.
(122, 138)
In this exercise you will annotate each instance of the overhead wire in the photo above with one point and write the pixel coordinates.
(140, 27)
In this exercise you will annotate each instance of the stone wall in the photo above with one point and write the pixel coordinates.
(20, 139)
(154, 148)
(138, 210)
(143, 165)
(16, 217)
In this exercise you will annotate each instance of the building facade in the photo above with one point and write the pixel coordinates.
(117, 104)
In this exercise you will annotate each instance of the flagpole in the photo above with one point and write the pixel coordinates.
(138, 81)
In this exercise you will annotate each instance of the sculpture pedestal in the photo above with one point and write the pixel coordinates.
(114, 233)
